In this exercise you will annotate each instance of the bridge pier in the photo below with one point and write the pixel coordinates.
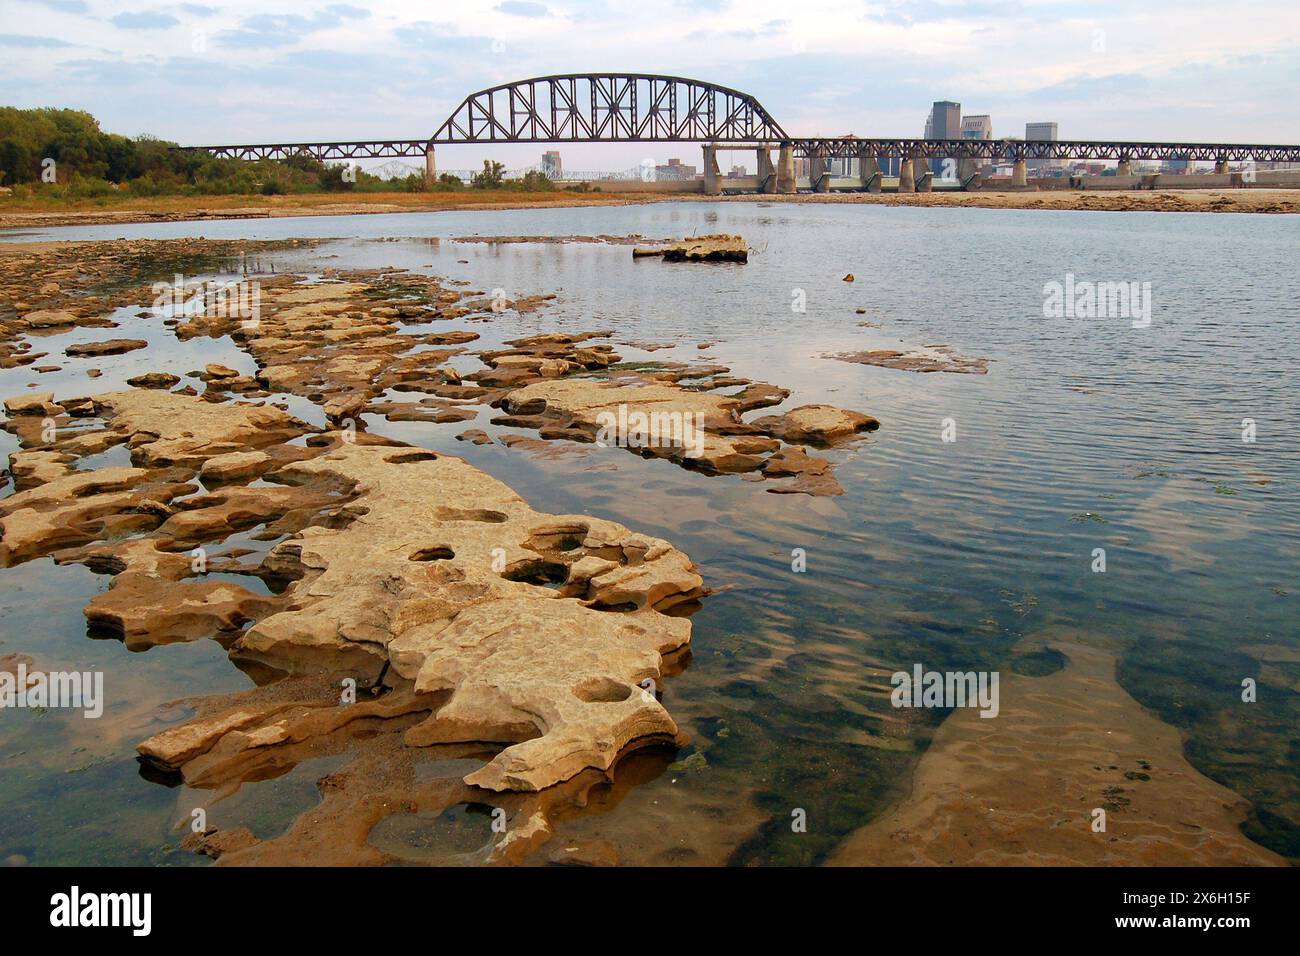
(766, 171)
(1020, 174)
(785, 182)
(1221, 167)
(906, 181)
(819, 174)
(923, 174)
(712, 183)
(968, 173)
(869, 174)
(1123, 168)
(430, 168)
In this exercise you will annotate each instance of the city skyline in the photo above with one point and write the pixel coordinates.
(301, 72)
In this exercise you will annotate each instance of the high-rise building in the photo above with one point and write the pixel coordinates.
(977, 126)
(944, 122)
(1042, 132)
(551, 167)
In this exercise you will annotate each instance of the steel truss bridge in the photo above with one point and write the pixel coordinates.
(649, 108)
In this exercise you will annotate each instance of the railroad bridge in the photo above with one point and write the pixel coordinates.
(651, 108)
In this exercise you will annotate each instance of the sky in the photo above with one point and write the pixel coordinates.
(237, 71)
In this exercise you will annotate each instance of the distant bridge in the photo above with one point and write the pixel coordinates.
(650, 108)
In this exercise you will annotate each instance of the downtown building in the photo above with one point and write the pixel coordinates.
(979, 126)
(1043, 132)
(944, 122)
(673, 170)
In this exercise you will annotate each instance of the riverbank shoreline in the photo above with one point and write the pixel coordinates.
(33, 215)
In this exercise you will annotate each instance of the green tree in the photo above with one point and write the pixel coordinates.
(536, 181)
(492, 176)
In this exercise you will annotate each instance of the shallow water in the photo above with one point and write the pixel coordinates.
(1085, 433)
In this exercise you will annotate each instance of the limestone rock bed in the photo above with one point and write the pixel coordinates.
(407, 599)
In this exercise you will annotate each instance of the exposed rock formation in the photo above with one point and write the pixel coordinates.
(495, 623)
(693, 427)
(817, 424)
(107, 347)
(410, 582)
(719, 248)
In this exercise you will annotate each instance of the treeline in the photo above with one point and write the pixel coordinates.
(64, 153)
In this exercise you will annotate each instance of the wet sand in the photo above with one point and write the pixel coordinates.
(1020, 789)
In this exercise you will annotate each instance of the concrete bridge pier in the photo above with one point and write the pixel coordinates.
(785, 182)
(766, 171)
(1123, 168)
(430, 168)
(1020, 174)
(1221, 167)
(869, 174)
(819, 173)
(712, 181)
(968, 173)
(906, 181)
(923, 175)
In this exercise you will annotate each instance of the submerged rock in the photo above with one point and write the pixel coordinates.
(930, 358)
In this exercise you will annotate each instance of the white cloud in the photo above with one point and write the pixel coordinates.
(299, 70)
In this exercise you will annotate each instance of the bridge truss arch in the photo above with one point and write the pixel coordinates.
(609, 108)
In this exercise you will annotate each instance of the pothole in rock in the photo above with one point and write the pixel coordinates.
(119, 456)
(249, 582)
(472, 514)
(411, 457)
(460, 834)
(439, 553)
(547, 574)
(602, 690)
(270, 806)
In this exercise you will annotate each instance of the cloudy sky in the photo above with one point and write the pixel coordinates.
(287, 70)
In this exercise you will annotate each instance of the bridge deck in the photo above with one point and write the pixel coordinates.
(987, 149)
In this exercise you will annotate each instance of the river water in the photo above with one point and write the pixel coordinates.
(1086, 433)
